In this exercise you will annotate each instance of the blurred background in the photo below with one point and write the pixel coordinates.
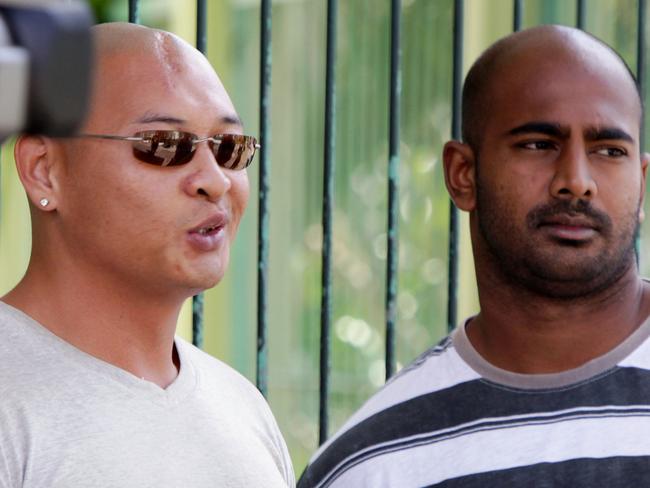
(360, 215)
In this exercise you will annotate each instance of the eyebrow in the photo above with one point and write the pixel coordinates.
(607, 133)
(150, 117)
(556, 130)
(547, 128)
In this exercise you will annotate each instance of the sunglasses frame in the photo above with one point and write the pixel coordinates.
(178, 136)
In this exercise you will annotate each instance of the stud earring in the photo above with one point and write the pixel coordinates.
(44, 202)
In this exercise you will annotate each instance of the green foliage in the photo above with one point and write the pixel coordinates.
(109, 10)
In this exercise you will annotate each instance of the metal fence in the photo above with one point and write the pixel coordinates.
(393, 98)
(329, 159)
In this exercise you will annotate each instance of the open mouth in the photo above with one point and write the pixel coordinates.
(210, 234)
(211, 226)
(204, 231)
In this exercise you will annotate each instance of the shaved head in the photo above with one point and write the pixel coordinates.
(135, 46)
(122, 37)
(131, 58)
(552, 44)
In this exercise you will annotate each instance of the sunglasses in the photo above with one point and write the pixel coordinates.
(174, 148)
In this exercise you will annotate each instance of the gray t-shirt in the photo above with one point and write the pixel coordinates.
(68, 419)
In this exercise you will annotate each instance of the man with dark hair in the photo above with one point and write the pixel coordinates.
(130, 219)
(549, 384)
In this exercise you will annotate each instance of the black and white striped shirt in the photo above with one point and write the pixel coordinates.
(451, 419)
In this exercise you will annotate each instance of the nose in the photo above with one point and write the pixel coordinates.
(573, 179)
(206, 178)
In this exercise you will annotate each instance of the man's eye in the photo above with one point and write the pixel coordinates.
(537, 145)
(611, 152)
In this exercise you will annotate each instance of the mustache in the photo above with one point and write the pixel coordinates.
(580, 208)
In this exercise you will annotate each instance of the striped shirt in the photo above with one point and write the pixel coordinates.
(451, 419)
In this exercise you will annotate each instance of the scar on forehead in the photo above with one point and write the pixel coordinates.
(169, 51)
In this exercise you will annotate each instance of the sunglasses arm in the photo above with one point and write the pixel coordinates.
(115, 138)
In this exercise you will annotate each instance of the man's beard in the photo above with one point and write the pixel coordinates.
(520, 256)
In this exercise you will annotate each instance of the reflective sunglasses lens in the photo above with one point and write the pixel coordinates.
(164, 148)
(184, 151)
(234, 151)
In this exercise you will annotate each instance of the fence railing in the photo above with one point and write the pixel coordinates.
(392, 170)
(329, 165)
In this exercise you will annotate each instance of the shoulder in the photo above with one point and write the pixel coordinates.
(223, 388)
(25, 346)
(14, 325)
(206, 362)
(217, 377)
(390, 417)
(438, 368)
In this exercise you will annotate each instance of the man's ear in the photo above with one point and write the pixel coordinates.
(645, 159)
(35, 156)
(460, 174)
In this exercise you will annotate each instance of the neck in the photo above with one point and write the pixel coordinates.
(112, 321)
(520, 331)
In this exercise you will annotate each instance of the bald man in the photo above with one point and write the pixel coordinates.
(548, 385)
(129, 219)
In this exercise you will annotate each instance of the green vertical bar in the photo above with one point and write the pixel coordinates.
(640, 61)
(197, 320)
(392, 258)
(197, 300)
(518, 14)
(640, 80)
(263, 195)
(581, 14)
(452, 283)
(201, 21)
(134, 11)
(328, 200)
